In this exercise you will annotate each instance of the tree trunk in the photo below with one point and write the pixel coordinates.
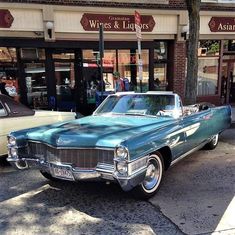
(193, 7)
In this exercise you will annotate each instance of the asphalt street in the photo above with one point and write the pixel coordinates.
(196, 197)
(32, 205)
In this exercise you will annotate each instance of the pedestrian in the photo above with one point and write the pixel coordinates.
(157, 83)
(126, 84)
(3, 87)
(118, 83)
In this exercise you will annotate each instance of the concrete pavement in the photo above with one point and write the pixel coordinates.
(198, 193)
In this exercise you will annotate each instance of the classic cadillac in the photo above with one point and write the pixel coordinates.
(132, 138)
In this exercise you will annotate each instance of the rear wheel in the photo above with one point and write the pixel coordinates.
(152, 179)
(213, 143)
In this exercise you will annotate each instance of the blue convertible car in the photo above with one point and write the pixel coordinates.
(132, 138)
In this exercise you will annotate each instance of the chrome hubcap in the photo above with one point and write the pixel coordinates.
(215, 139)
(152, 176)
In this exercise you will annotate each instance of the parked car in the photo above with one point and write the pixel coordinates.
(131, 138)
(15, 116)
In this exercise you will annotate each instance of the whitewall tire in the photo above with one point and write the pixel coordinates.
(213, 142)
(153, 177)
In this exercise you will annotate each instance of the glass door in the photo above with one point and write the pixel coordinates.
(65, 85)
(64, 80)
(228, 80)
(36, 85)
(231, 76)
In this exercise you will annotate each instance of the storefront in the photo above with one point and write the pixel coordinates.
(52, 53)
(53, 78)
(49, 54)
(216, 72)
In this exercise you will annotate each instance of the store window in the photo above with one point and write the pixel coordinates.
(34, 54)
(229, 45)
(160, 66)
(9, 71)
(63, 56)
(34, 69)
(109, 66)
(208, 67)
(36, 85)
(123, 61)
(91, 73)
(128, 68)
(145, 59)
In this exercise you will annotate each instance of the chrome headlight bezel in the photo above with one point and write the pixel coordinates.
(121, 152)
(13, 152)
(11, 141)
(122, 167)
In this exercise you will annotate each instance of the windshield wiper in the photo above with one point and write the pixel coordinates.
(139, 114)
(134, 114)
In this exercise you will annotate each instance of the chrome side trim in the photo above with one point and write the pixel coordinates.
(189, 152)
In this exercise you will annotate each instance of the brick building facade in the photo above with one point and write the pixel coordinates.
(49, 48)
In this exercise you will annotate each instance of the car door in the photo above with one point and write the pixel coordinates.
(176, 139)
(195, 127)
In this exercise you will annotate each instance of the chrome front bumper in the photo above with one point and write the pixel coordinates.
(101, 172)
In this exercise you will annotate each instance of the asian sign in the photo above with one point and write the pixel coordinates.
(6, 19)
(119, 23)
(222, 24)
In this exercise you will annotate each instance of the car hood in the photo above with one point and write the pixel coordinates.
(97, 131)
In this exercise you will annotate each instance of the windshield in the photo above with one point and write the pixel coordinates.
(162, 105)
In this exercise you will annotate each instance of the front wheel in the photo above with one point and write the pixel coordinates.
(152, 179)
(48, 176)
(213, 143)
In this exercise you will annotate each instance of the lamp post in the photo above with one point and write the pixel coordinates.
(185, 31)
(101, 53)
(49, 27)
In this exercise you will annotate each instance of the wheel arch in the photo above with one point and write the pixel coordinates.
(166, 155)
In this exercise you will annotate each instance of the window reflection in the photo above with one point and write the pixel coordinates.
(36, 85)
(160, 80)
(208, 75)
(160, 66)
(208, 67)
(9, 71)
(128, 68)
(209, 48)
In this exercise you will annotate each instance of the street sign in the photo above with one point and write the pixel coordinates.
(137, 18)
(137, 25)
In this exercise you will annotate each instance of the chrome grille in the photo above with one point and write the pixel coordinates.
(82, 158)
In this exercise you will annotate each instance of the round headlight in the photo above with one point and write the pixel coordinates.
(14, 152)
(122, 167)
(121, 152)
(11, 140)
